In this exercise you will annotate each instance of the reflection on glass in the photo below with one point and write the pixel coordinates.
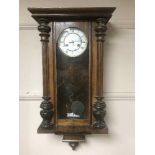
(72, 85)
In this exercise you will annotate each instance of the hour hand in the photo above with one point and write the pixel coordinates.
(71, 42)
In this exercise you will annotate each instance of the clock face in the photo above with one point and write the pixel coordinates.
(72, 42)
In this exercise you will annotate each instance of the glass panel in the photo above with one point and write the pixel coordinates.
(72, 85)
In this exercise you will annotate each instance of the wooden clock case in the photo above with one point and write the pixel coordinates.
(89, 73)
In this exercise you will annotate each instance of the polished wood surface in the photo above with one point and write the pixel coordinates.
(86, 72)
(46, 105)
(73, 130)
(61, 14)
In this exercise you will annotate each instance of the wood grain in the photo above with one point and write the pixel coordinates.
(71, 130)
(64, 14)
(52, 21)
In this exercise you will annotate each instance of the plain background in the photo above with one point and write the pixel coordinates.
(118, 84)
(145, 76)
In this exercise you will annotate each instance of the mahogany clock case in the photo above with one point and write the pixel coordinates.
(72, 83)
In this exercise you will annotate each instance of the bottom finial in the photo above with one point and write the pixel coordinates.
(99, 113)
(73, 145)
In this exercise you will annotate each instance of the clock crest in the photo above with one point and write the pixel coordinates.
(72, 56)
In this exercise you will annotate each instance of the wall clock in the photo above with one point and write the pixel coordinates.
(72, 58)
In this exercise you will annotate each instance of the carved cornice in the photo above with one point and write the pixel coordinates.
(58, 14)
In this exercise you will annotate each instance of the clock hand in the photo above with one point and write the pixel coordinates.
(72, 42)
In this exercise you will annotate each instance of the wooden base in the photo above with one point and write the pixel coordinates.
(73, 134)
(73, 130)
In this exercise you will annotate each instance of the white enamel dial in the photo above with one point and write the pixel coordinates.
(72, 42)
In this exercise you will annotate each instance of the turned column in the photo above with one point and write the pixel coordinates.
(99, 106)
(46, 105)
